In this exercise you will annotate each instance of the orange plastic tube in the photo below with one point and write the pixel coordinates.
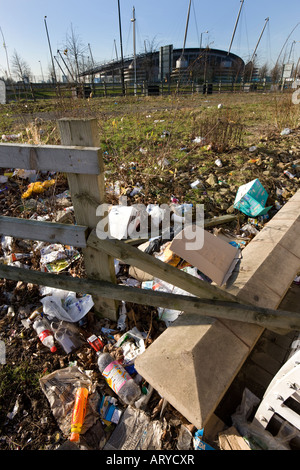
(79, 412)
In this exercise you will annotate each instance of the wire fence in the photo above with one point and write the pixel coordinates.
(37, 91)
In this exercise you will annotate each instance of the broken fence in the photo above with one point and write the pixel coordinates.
(85, 171)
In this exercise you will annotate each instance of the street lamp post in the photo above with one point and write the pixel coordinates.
(42, 71)
(54, 74)
(204, 32)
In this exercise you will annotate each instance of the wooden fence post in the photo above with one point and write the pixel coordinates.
(88, 192)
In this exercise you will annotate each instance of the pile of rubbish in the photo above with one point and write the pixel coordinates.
(96, 396)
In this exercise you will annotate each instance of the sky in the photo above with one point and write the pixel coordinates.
(158, 22)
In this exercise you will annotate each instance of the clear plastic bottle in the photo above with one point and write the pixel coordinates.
(118, 379)
(42, 328)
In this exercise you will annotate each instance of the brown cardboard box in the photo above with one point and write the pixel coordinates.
(211, 255)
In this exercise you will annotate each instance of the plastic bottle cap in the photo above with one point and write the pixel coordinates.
(53, 349)
(74, 437)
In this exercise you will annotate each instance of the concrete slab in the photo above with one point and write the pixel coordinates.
(180, 366)
(193, 363)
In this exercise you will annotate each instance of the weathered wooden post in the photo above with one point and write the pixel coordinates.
(88, 192)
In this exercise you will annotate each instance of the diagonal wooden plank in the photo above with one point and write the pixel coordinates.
(135, 257)
(193, 305)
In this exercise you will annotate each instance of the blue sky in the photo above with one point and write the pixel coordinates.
(160, 22)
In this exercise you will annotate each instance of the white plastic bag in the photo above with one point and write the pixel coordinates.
(63, 305)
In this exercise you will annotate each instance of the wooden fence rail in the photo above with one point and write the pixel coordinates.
(84, 168)
(205, 307)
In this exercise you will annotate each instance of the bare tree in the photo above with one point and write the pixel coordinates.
(263, 71)
(276, 73)
(20, 68)
(147, 63)
(75, 53)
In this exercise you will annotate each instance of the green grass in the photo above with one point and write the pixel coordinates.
(147, 130)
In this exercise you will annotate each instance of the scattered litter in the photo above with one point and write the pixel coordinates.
(118, 379)
(165, 314)
(290, 175)
(185, 438)
(255, 435)
(15, 410)
(285, 131)
(251, 199)
(230, 439)
(165, 134)
(156, 213)
(215, 258)
(95, 342)
(142, 402)
(62, 321)
(8, 137)
(132, 344)
(60, 387)
(108, 410)
(167, 256)
(121, 325)
(66, 307)
(13, 257)
(66, 334)
(37, 187)
(26, 174)
(114, 188)
(136, 190)
(199, 140)
(44, 333)
(121, 219)
(195, 184)
(56, 257)
(163, 162)
(78, 414)
(249, 229)
(297, 280)
(199, 444)
(66, 194)
(136, 431)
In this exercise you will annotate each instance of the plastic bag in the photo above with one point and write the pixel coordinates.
(60, 387)
(256, 436)
(165, 314)
(66, 306)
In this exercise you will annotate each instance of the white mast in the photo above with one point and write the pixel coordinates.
(134, 50)
(236, 23)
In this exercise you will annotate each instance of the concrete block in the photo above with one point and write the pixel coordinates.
(193, 363)
(189, 365)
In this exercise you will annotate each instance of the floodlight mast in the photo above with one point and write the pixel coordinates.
(54, 73)
(235, 26)
(121, 45)
(134, 51)
(253, 55)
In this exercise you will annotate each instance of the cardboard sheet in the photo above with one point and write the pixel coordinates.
(216, 258)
